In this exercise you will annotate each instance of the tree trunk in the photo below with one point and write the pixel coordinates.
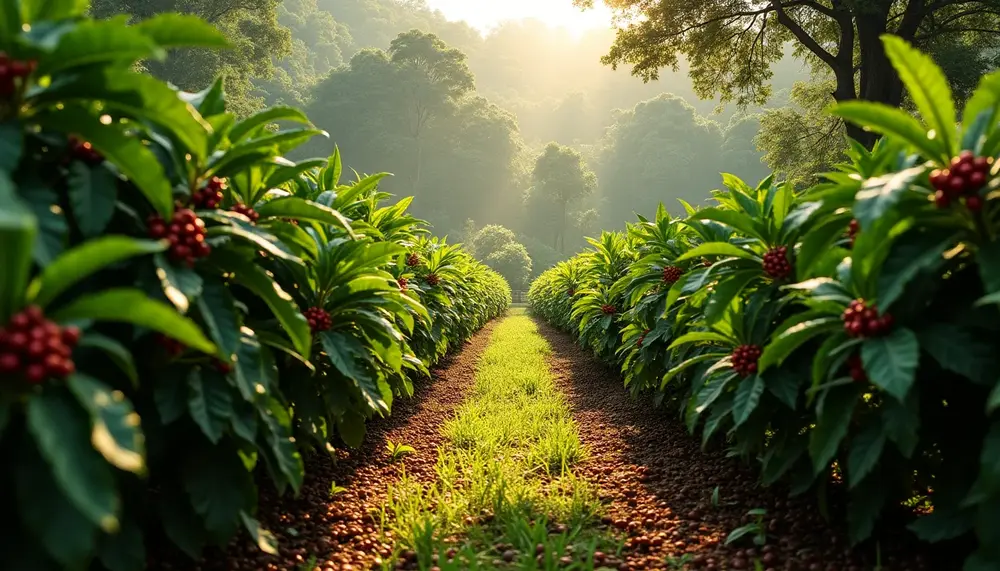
(878, 81)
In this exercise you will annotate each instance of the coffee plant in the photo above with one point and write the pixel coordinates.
(844, 337)
(185, 313)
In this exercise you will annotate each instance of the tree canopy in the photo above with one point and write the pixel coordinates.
(560, 178)
(731, 45)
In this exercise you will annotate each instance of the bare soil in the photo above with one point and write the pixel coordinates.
(342, 531)
(658, 484)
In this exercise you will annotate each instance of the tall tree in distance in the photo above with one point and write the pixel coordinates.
(561, 178)
(434, 76)
(732, 44)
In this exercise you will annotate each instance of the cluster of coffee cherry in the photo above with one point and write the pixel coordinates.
(856, 368)
(852, 230)
(35, 348)
(173, 347)
(776, 263)
(318, 318)
(246, 210)
(861, 320)
(413, 260)
(966, 176)
(12, 70)
(211, 196)
(608, 309)
(571, 292)
(671, 274)
(186, 234)
(222, 366)
(706, 262)
(84, 152)
(403, 284)
(745, 358)
(433, 279)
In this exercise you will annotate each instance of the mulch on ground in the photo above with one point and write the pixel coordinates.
(342, 533)
(657, 483)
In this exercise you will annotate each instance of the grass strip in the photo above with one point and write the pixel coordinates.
(505, 494)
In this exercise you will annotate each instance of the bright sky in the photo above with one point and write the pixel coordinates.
(485, 14)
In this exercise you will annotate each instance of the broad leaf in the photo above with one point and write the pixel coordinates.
(831, 426)
(115, 431)
(92, 195)
(218, 311)
(912, 253)
(172, 30)
(209, 402)
(959, 350)
(61, 430)
(866, 448)
(18, 228)
(180, 284)
(264, 539)
(301, 209)
(218, 485)
(717, 249)
(132, 306)
(89, 257)
(270, 115)
(747, 398)
(881, 194)
(892, 121)
(891, 361)
(928, 88)
(792, 338)
(98, 41)
(118, 353)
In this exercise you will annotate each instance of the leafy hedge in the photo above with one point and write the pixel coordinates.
(181, 305)
(846, 332)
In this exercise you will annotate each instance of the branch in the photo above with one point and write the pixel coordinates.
(803, 36)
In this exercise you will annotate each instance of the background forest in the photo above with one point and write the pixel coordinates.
(522, 127)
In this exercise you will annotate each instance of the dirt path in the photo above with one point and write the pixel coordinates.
(342, 533)
(658, 485)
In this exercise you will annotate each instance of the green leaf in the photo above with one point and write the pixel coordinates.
(681, 367)
(181, 31)
(794, 337)
(700, 337)
(864, 508)
(832, 425)
(985, 100)
(286, 173)
(958, 350)
(132, 306)
(351, 427)
(135, 160)
(218, 485)
(247, 126)
(747, 398)
(891, 361)
(63, 531)
(255, 368)
(928, 88)
(881, 194)
(943, 524)
(218, 311)
(254, 278)
(18, 228)
(256, 238)
(84, 260)
(115, 431)
(717, 249)
(115, 351)
(892, 121)
(92, 195)
(53, 228)
(992, 403)
(725, 292)
(331, 176)
(209, 402)
(61, 430)
(264, 539)
(901, 421)
(733, 219)
(866, 449)
(280, 452)
(912, 253)
(97, 41)
(180, 284)
(11, 145)
(301, 209)
(784, 385)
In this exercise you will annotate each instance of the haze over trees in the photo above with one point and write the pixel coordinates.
(526, 127)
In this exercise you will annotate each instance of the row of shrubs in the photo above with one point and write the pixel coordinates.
(181, 306)
(845, 334)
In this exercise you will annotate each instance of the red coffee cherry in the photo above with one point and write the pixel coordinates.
(318, 318)
(745, 359)
(186, 234)
(35, 349)
(861, 320)
(210, 195)
(247, 211)
(671, 274)
(963, 179)
(609, 309)
(403, 284)
(857, 369)
(776, 263)
(413, 260)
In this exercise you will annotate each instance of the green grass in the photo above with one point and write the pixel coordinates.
(505, 480)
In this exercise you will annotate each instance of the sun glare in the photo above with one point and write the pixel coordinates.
(487, 14)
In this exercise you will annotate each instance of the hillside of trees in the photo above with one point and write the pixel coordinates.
(463, 120)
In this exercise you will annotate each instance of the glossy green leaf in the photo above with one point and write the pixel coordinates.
(958, 350)
(351, 427)
(82, 261)
(725, 292)
(255, 238)
(301, 209)
(879, 195)
(135, 160)
(747, 398)
(125, 550)
(118, 353)
(246, 127)
(218, 311)
(832, 425)
(254, 278)
(132, 306)
(11, 145)
(737, 220)
(61, 430)
(865, 451)
(18, 228)
(913, 253)
(888, 120)
(716, 249)
(928, 88)
(281, 453)
(92, 195)
(985, 100)
(264, 539)
(218, 485)
(891, 361)
(98, 41)
(794, 337)
(180, 284)
(115, 430)
(209, 402)
(700, 337)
